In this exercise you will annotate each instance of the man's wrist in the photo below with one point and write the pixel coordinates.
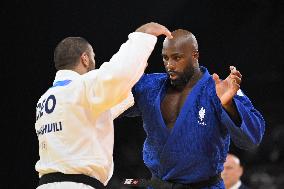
(232, 111)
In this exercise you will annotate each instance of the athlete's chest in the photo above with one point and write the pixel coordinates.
(172, 104)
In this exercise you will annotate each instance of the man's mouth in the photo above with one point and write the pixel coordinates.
(172, 75)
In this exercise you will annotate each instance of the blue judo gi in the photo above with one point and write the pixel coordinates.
(196, 147)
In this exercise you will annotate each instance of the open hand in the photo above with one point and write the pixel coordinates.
(226, 89)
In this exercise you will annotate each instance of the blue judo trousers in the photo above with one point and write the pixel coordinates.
(196, 147)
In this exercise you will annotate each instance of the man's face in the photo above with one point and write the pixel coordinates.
(178, 61)
(232, 171)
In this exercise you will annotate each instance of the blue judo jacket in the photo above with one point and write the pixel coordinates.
(196, 147)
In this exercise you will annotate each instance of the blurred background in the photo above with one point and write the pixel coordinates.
(245, 33)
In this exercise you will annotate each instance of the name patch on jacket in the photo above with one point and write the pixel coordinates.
(48, 128)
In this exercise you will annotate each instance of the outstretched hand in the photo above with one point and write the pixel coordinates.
(226, 89)
(155, 29)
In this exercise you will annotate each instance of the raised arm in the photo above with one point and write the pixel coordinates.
(245, 124)
(112, 83)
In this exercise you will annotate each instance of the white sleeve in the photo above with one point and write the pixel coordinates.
(122, 106)
(112, 82)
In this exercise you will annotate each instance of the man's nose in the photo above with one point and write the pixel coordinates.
(170, 65)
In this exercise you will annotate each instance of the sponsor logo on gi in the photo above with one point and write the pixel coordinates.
(46, 106)
(131, 181)
(201, 117)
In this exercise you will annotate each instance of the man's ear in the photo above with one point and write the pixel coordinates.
(85, 59)
(195, 55)
(240, 171)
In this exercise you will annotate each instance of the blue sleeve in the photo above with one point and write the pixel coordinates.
(249, 134)
(133, 111)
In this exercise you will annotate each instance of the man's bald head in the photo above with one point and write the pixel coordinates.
(181, 36)
(235, 159)
(232, 170)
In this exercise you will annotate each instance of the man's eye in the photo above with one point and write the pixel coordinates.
(177, 58)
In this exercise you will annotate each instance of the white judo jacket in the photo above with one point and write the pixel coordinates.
(74, 118)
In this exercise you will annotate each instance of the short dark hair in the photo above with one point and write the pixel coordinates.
(68, 52)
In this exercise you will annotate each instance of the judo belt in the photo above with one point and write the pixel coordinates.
(157, 183)
(78, 178)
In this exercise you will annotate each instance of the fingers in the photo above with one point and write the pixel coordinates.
(236, 86)
(233, 68)
(158, 29)
(168, 33)
(235, 79)
(155, 29)
(235, 76)
(234, 71)
(162, 30)
(216, 78)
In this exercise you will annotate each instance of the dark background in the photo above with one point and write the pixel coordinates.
(245, 33)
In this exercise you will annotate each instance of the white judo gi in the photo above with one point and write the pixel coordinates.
(74, 119)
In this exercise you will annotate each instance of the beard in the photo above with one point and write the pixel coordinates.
(183, 77)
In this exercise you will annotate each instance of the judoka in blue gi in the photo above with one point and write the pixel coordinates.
(189, 117)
